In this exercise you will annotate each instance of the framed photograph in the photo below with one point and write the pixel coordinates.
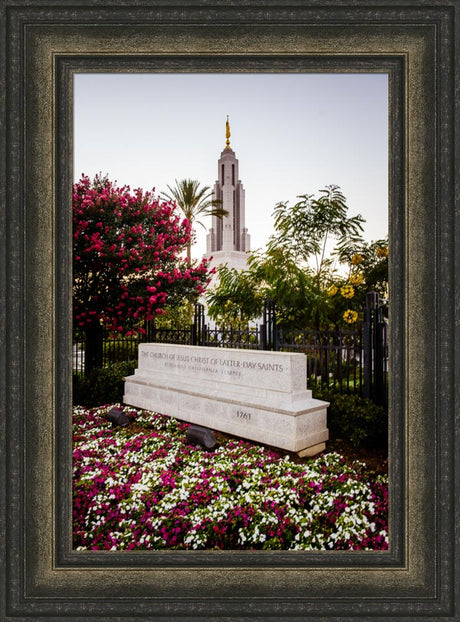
(45, 46)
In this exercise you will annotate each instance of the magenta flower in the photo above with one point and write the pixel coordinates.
(146, 488)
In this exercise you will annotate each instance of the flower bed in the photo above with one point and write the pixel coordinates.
(144, 487)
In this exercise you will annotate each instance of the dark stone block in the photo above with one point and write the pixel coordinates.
(117, 417)
(196, 435)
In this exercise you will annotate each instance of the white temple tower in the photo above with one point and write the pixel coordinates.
(228, 240)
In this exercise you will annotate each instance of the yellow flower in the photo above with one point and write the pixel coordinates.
(347, 291)
(356, 279)
(357, 259)
(381, 251)
(332, 290)
(350, 316)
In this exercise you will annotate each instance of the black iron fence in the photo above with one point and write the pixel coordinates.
(348, 360)
(334, 358)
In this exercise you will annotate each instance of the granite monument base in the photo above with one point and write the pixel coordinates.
(257, 395)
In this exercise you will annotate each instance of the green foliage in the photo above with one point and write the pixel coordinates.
(355, 419)
(297, 274)
(367, 271)
(239, 296)
(294, 289)
(237, 299)
(302, 231)
(178, 316)
(102, 386)
(373, 265)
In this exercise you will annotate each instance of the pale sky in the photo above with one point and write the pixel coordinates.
(292, 134)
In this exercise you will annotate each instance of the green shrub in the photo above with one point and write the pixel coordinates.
(102, 386)
(355, 419)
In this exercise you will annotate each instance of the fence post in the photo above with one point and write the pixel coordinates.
(324, 359)
(262, 337)
(198, 327)
(150, 332)
(270, 340)
(374, 346)
(94, 348)
(368, 341)
(339, 355)
(379, 357)
(384, 364)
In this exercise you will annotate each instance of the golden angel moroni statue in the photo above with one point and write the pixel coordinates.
(227, 134)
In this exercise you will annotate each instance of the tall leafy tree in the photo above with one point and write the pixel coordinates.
(304, 230)
(126, 259)
(195, 203)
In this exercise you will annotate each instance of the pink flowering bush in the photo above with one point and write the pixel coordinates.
(127, 265)
(143, 487)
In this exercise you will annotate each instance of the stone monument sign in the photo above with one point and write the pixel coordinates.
(257, 395)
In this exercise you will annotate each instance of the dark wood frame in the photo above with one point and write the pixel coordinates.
(44, 43)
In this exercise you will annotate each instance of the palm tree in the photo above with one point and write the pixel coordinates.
(194, 202)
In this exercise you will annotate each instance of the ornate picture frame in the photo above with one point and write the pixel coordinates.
(44, 45)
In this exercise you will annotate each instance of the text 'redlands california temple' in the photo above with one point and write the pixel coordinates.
(228, 240)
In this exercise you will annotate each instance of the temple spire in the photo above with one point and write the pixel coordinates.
(228, 240)
(227, 134)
